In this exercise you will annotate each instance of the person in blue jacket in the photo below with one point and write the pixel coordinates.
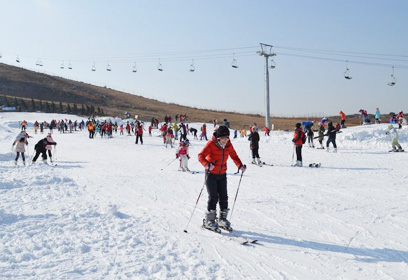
(377, 116)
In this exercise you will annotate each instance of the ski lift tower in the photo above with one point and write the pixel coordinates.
(266, 51)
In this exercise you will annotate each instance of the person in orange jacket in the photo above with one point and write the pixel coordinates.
(214, 158)
(343, 118)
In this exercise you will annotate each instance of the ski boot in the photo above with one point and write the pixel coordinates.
(259, 162)
(209, 221)
(393, 149)
(253, 161)
(15, 162)
(24, 162)
(298, 164)
(335, 150)
(400, 149)
(186, 169)
(223, 222)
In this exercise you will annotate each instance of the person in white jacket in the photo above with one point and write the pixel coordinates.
(21, 142)
(394, 139)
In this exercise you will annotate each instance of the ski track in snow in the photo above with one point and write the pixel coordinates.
(108, 211)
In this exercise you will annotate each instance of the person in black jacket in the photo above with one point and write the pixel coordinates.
(331, 132)
(40, 148)
(254, 146)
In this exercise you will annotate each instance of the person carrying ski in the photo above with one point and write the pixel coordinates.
(331, 132)
(299, 139)
(254, 146)
(21, 142)
(343, 118)
(182, 153)
(41, 148)
(214, 158)
(394, 139)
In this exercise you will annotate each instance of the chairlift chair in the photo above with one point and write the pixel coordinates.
(93, 67)
(347, 73)
(134, 68)
(69, 66)
(17, 59)
(160, 66)
(108, 67)
(62, 66)
(234, 62)
(1, 55)
(273, 64)
(192, 68)
(393, 79)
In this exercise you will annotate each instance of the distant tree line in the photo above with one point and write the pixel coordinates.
(47, 107)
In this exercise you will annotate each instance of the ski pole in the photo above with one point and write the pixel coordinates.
(55, 153)
(236, 195)
(168, 164)
(198, 198)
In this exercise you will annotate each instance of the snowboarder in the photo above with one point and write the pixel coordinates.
(331, 132)
(394, 139)
(214, 158)
(254, 146)
(182, 153)
(21, 142)
(299, 139)
(41, 148)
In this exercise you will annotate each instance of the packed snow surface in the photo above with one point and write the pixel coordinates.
(111, 209)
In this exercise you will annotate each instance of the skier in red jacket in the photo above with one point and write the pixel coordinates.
(214, 158)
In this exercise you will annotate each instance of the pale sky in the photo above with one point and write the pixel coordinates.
(312, 40)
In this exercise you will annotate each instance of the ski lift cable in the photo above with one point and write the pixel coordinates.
(335, 51)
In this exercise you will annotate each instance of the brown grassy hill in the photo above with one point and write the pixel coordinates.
(26, 84)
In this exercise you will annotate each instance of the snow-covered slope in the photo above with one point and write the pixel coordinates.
(108, 211)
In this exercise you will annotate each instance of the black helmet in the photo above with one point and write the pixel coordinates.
(298, 125)
(222, 131)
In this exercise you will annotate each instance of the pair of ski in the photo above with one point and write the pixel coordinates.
(263, 163)
(229, 235)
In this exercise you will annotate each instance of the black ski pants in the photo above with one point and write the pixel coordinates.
(217, 191)
(22, 156)
(299, 152)
(137, 139)
(255, 153)
(37, 154)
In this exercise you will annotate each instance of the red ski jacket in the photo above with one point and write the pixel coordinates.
(215, 154)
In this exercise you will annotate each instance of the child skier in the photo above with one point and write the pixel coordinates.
(299, 139)
(394, 139)
(182, 153)
(254, 146)
(169, 136)
(309, 132)
(49, 147)
(321, 135)
(214, 158)
(21, 142)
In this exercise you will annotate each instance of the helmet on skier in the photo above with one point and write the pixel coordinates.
(186, 142)
(298, 125)
(222, 131)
